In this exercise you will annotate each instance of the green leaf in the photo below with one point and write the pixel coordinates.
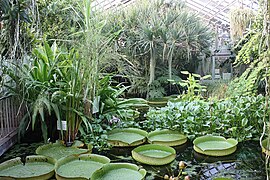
(54, 50)
(40, 54)
(185, 72)
(196, 75)
(244, 122)
(48, 51)
(44, 131)
(206, 77)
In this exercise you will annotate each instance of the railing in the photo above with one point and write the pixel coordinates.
(10, 116)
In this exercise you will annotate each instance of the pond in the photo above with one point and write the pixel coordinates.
(246, 163)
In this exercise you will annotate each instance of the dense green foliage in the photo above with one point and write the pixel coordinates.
(50, 83)
(145, 45)
(253, 51)
(159, 39)
(193, 88)
(58, 19)
(241, 118)
(14, 27)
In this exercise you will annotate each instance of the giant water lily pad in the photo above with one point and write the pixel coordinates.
(116, 171)
(154, 154)
(215, 145)
(265, 146)
(79, 166)
(166, 137)
(127, 137)
(32, 168)
(57, 150)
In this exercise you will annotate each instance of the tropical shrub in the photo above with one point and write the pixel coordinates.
(35, 82)
(110, 109)
(51, 85)
(192, 84)
(110, 101)
(96, 134)
(239, 117)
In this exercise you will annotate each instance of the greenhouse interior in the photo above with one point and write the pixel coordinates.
(135, 89)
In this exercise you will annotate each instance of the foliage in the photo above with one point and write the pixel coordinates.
(156, 35)
(57, 20)
(63, 84)
(14, 23)
(240, 19)
(97, 134)
(239, 117)
(36, 81)
(109, 102)
(192, 83)
(51, 85)
(96, 49)
(217, 89)
(71, 95)
(253, 51)
(160, 87)
(110, 109)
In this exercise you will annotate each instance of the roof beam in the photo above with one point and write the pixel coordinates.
(207, 13)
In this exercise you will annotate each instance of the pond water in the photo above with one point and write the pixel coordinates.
(246, 163)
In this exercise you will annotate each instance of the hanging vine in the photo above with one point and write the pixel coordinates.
(239, 21)
(252, 51)
(265, 44)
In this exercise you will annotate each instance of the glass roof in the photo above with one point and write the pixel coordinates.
(218, 10)
(213, 11)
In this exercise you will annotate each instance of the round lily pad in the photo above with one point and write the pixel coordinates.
(57, 150)
(166, 137)
(154, 154)
(116, 171)
(127, 137)
(265, 146)
(215, 145)
(79, 167)
(32, 168)
(76, 143)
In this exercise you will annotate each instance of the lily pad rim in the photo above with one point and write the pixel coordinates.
(131, 130)
(206, 138)
(45, 147)
(135, 142)
(166, 131)
(70, 158)
(112, 166)
(29, 159)
(168, 149)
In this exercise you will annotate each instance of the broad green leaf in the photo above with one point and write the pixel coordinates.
(185, 72)
(48, 51)
(44, 130)
(196, 75)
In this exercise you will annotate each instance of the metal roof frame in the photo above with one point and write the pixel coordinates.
(213, 11)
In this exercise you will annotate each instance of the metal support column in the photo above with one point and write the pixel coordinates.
(213, 67)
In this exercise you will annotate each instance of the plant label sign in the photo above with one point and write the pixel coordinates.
(63, 124)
